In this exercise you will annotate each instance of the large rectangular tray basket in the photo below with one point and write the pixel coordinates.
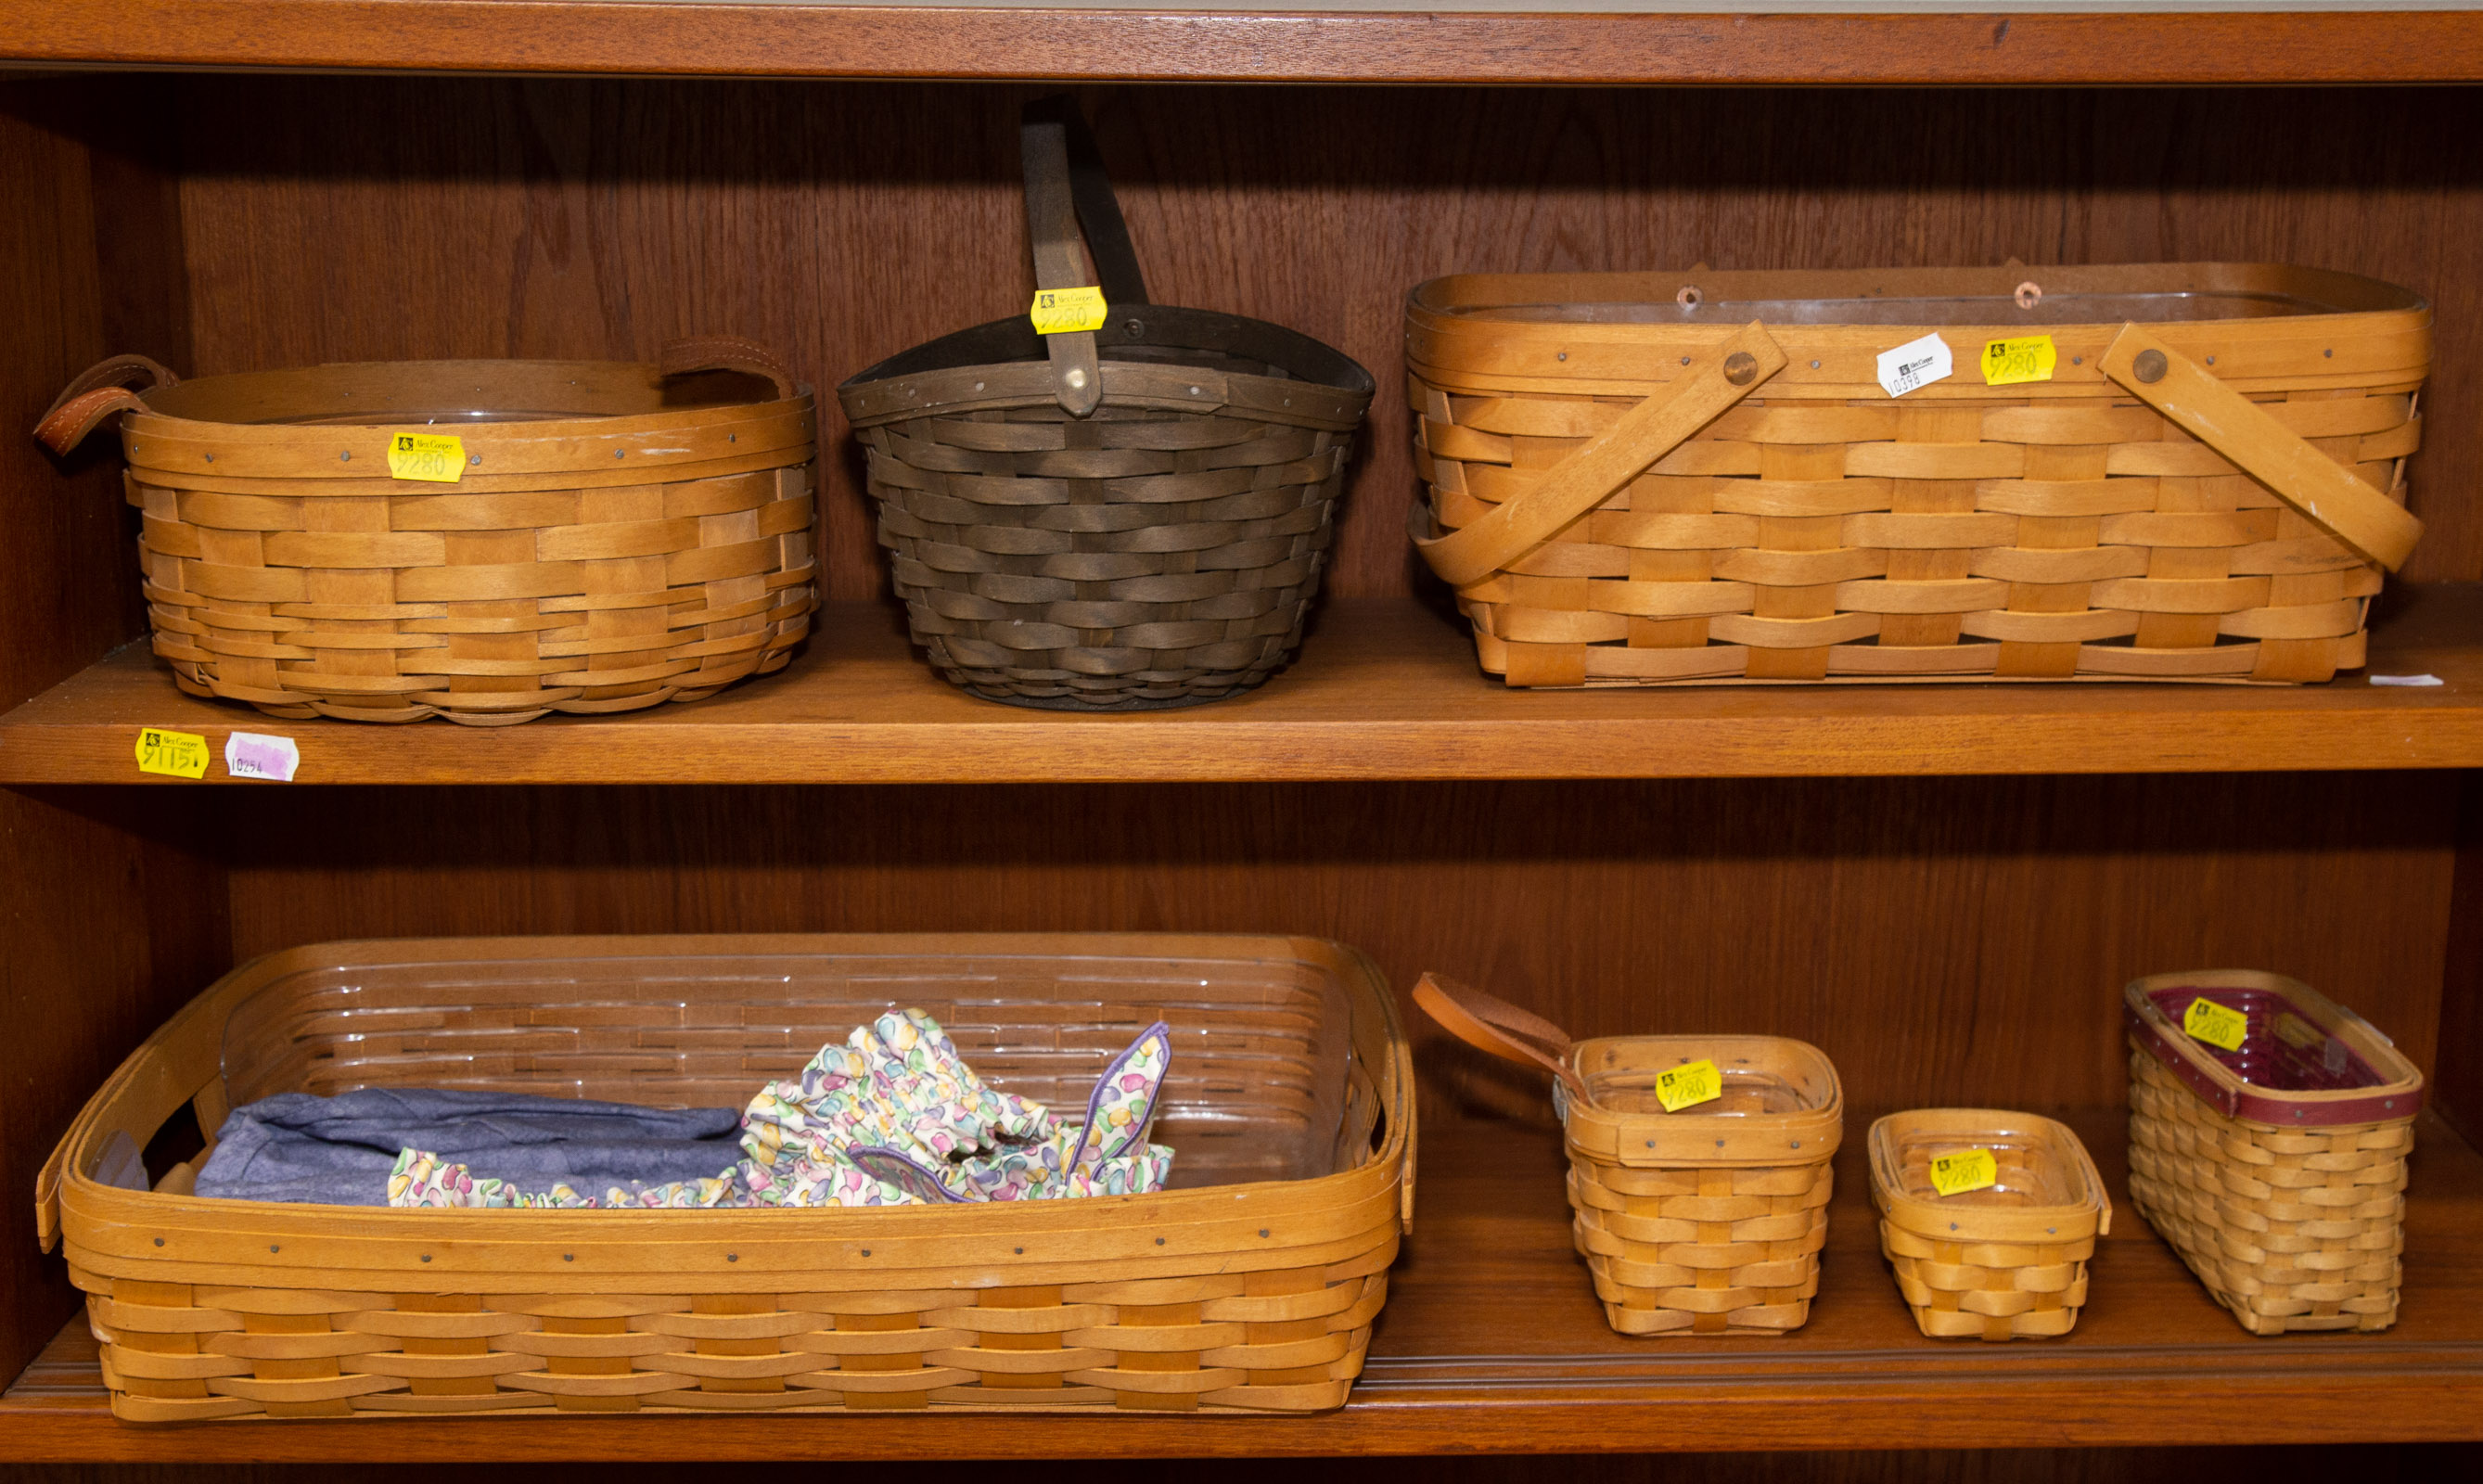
(1248, 1286)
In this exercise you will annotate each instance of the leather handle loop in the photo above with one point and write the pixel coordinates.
(2317, 487)
(1489, 1024)
(96, 393)
(726, 352)
(1711, 384)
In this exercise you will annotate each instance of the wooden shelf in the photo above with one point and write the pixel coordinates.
(1309, 40)
(1387, 689)
(1493, 1341)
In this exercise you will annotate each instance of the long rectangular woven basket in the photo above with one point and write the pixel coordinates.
(1250, 1286)
(1700, 478)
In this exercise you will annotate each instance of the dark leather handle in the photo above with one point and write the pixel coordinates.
(726, 352)
(1066, 189)
(98, 392)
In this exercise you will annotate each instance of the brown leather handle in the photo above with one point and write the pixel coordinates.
(1714, 381)
(1489, 1024)
(726, 352)
(100, 391)
(2320, 490)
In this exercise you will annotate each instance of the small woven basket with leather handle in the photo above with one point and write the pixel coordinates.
(1111, 520)
(1701, 479)
(2277, 1171)
(2006, 1261)
(1690, 1221)
(607, 536)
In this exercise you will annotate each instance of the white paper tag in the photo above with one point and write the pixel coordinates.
(1915, 364)
(257, 754)
(2407, 680)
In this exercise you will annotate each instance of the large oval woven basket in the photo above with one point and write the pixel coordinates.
(1129, 518)
(614, 535)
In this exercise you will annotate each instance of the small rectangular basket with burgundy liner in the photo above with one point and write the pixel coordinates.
(607, 536)
(2278, 1170)
(1126, 517)
(1729, 478)
(2006, 1261)
(1705, 1221)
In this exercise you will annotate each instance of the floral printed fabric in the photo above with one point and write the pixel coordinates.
(891, 1116)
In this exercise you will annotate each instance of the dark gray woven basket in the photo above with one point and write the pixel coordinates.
(1126, 519)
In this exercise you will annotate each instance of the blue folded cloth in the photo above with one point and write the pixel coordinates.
(338, 1151)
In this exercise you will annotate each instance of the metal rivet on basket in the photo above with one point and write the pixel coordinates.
(1193, 391)
(2150, 366)
(1159, 1241)
(2029, 294)
(473, 458)
(2211, 360)
(2051, 1230)
(1134, 327)
(1076, 377)
(979, 386)
(1684, 361)
(211, 458)
(1814, 366)
(2330, 354)
(1020, 1251)
(344, 456)
(1797, 1144)
(1952, 1226)
(2388, 1102)
(1689, 295)
(620, 453)
(1262, 1231)
(426, 1257)
(569, 1257)
(1741, 369)
(865, 1251)
(2078, 360)
(732, 1257)
(1650, 1144)
(159, 1241)
(272, 1247)
(1720, 1144)
(1561, 356)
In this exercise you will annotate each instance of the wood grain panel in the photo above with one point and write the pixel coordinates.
(1945, 942)
(105, 923)
(334, 219)
(1206, 44)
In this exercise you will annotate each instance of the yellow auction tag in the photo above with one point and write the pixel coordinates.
(2025, 359)
(172, 753)
(1966, 1169)
(436, 457)
(2218, 1025)
(1687, 1086)
(1060, 311)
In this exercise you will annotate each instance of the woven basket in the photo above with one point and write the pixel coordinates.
(1130, 517)
(616, 536)
(2005, 1262)
(1631, 485)
(2278, 1170)
(1708, 1221)
(1249, 1286)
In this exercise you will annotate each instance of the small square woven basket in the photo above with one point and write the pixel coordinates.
(2279, 1171)
(2004, 1262)
(1708, 1221)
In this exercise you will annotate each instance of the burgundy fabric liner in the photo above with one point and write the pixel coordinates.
(2266, 1059)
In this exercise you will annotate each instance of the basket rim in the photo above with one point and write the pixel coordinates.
(1013, 341)
(2089, 1214)
(1689, 1139)
(283, 379)
(2396, 1100)
(114, 1232)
